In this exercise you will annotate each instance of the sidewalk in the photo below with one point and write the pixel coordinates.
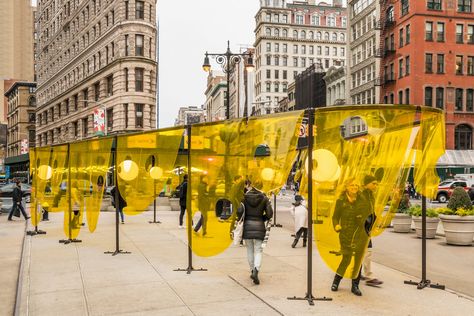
(79, 279)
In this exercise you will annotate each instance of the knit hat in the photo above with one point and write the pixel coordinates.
(369, 178)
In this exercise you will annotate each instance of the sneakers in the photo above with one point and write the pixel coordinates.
(123, 222)
(373, 282)
(181, 227)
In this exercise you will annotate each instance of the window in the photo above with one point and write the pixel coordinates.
(428, 96)
(299, 19)
(277, 61)
(407, 65)
(440, 64)
(326, 50)
(85, 94)
(315, 20)
(407, 37)
(285, 33)
(125, 110)
(459, 99)
(110, 119)
(469, 100)
(268, 86)
(331, 21)
(139, 115)
(303, 35)
(110, 85)
(470, 65)
(139, 10)
(400, 68)
(459, 33)
(285, 48)
(311, 50)
(459, 65)
(269, 60)
(295, 61)
(139, 45)
(85, 125)
(429, 31)
(440, 32)
(277, 74)
(407, 96)
(96, 92)
(285, 61)
(428, 63)
(284, 74)
(464, 5)
(401, 38)
(463, 137)
(434, 4)
(269, 47)
(277, 32)
(127, 51)
(268, 32)
(76, 104)
(269, 74)
(400, 97)
(326, 36)
(75, 129)
(470, 34)
(277, 87)
(440, 98)
(126, 10)
(405, 5)
(139, 79)
(295, 34)
(295, 49)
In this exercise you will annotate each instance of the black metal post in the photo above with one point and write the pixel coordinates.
(70, 239)
(189, 225)
(117, 207)
(275, 211)
(309, 293)
(154, 204)
(36, 231)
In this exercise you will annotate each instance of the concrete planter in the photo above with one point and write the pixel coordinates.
(401, 223)
(431, 226)
(162, 201)
(459, 230)
(174, 203)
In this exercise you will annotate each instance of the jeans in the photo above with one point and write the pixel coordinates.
(367, 264)
(22, 210)
(121, 214)
(254, 253)
(181, 214)
(302, 231)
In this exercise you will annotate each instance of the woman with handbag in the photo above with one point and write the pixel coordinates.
(256, 211)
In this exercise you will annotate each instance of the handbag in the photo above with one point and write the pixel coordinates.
(238, 231)
(16, 212)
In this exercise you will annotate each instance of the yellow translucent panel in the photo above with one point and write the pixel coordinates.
(222, 156)
(145, 166)
(58, 184)
(34, 210)
(430, 147)
(89, 164)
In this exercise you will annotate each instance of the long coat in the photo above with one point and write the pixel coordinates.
(258, 209)
(300, 213)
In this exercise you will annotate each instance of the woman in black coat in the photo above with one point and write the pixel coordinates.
(258, 210)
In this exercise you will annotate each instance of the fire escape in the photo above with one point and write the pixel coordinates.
(387, 43)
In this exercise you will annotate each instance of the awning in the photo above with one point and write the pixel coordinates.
(457, 158)
(17, 159)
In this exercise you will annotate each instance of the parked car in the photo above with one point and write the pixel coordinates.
(6, 193)
(446, 188)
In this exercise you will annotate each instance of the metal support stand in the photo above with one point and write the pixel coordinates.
(69, 239)
(189, 225)
(275, 211)
(117, 207)
(36, 231)
(154, 205)
(424, 282)
(309, 295)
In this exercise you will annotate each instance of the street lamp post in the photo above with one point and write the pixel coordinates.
(228, 60)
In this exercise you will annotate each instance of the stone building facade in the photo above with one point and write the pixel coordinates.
(216, 94)
(95, 54)
(290, 37)
(335, 86)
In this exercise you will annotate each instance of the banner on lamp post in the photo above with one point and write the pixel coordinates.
(99, 122)
(24, 149)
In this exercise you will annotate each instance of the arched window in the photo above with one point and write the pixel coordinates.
(326, 36)
(277, 32)
(318, 36)
(285, 33)
(295, 34)
(463, 137)
(342, 37)
(268, 32)
(303, 34)
(311, 35)
(334, 37)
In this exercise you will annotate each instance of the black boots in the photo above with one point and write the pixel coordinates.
(355, 290)
(254, 276)
(335, 283)
(293, 245)
(304, 242)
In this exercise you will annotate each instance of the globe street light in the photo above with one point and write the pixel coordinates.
(228, 60)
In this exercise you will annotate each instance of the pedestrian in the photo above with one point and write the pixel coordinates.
(203, 204)
(77, 199)
(256, 210)
(348, 221)
(17, 197)
(368, 203)
(300, 214)
(121, 203)
(183, 193)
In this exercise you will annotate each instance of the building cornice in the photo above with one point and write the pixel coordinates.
(19, 84)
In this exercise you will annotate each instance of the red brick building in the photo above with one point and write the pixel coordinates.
(428, 60)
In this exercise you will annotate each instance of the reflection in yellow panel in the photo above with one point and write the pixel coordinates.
(145, 166)
(430, 146)
(42, 171)
(58, 184)
(361, 160)
(89, 163)
(223, 155)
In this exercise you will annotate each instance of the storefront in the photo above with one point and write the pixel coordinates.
(18, 167)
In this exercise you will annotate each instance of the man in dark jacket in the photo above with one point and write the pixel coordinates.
(17, 197)
(183, 193)
(121, 202)
(258, 210)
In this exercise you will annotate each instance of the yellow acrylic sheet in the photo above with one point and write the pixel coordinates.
(429, 147)
(222, 156)
(356, 148)
(34, 209)
(90, 161)
(145, 165)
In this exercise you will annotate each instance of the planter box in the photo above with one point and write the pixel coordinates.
(431, 226)
(459, 230)
(401, 223)
(174, 203)
(162, 201)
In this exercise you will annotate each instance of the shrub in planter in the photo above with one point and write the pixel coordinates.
(432, 221)
(458, 219)
(459, 199)
(402, 219)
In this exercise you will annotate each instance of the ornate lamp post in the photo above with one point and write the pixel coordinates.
(228, 60)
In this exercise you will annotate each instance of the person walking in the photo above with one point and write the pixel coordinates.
(121, 203)
(203, 204)
(183, 193)
(348, 221)
(256, 210)
(300, 214)
(17, 200)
